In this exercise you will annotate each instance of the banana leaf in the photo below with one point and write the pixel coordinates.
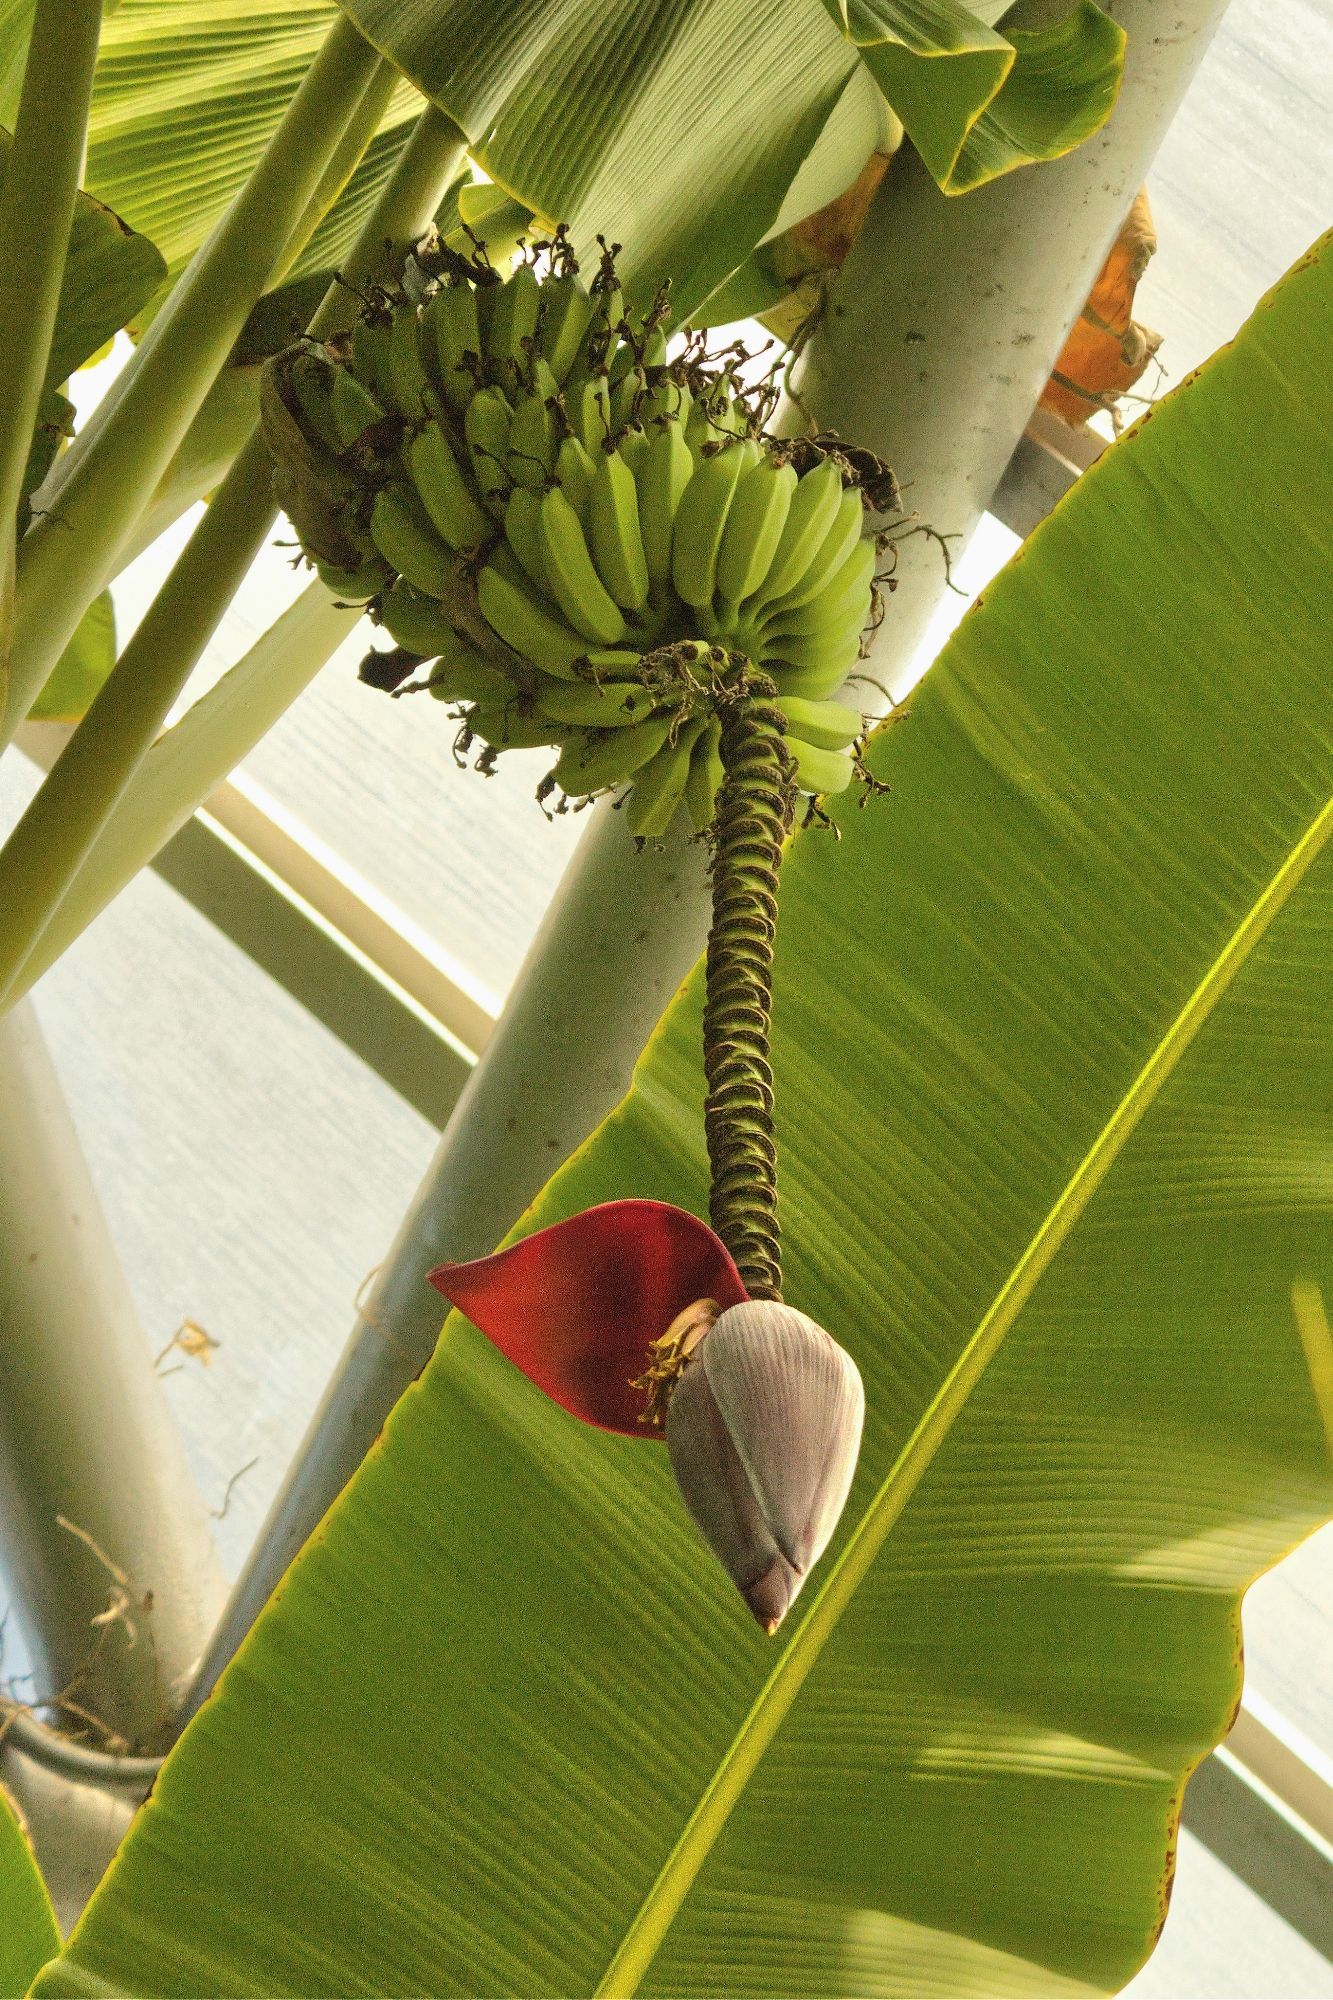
(680, 131)
(28, 1935)
(1053, 1078)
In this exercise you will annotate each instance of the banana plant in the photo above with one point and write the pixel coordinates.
(1047, 1067)
(670, 562)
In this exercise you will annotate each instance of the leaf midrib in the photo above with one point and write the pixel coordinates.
(774, 1700)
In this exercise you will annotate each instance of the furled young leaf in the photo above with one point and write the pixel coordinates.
(976, 102)
(28, 1935)
(82, 667)
(1052, 1071)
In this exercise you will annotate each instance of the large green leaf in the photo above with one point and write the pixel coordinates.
(28, 1935)
(674, 130)
(185, 98)
(1053, 1080)
(1000, 100)
(81, 668)
(110, 271)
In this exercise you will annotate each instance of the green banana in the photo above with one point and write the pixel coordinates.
(444, 490)
(820, 771)
(354, 409)
(755, 520)
(355, 584)
(827, 725)
(417, 621)
(523, 532)
(566, 314)
(700, 520)
(532, 438)
(403, 533)
(814, 504)
(596, 760)
(847, 587)
(472, 680)
(593, 705)
(661, 476)
(574, 469)
(413, 391)
(450, 321)
(660, 785)
(816, 666)
(706, 775)
(511, 330)
(838, 544)
(311, 379)
(589, 408)
(486, 427)
(613, 531)
(575, 584)
(368, 344)
(512, 728)
(532, 629)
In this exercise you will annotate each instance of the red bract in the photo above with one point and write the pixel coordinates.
(577, 1306)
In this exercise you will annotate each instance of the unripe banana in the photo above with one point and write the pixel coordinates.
(566, 315)
(660, 785)
(450, 320)
(532, 440)
(832, 604)
(575, 584)
(486, 427)
(631, 445)
(814, 505)
(838, 544)
(417, 621)
(608, 705)
(523, 532)
(403, 533)
(613, 531)
(470, 680)
(589, 408)
(612, 662)
(816, 666)
(706, 774)
(509, 605)
(311, 379)
(444, 490)
(511, 728)
(627, 391)
(596, 760)
(355, 585)
(355, 410)
(661, 476)
(701, 518)
(512, 328)
(413, 390)
(369, 343)
(827, 725)
(820, 771)
(574, 469)
(669, 402)
(755, 520)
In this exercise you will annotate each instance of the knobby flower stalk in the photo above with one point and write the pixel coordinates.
(577, 535)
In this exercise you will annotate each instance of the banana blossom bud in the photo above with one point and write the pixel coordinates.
(633, 1311)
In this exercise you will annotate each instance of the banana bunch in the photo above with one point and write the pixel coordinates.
(526, 491)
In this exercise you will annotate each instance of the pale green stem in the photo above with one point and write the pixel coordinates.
(51, 840)
(65, 559)
(36, 212)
